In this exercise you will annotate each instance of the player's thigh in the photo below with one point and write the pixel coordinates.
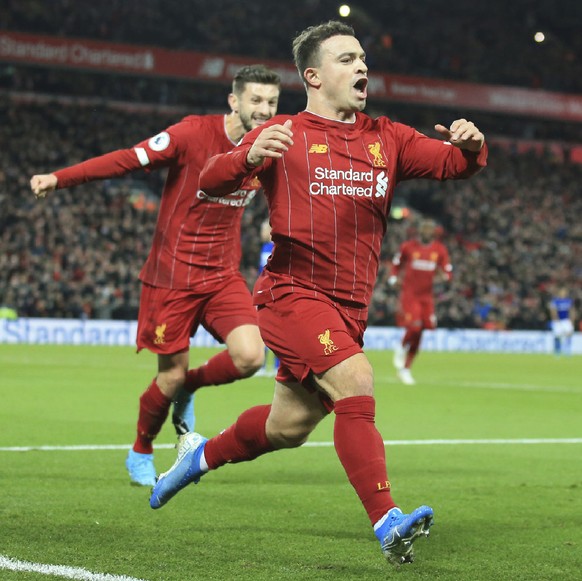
(352, 377)
(295, 412)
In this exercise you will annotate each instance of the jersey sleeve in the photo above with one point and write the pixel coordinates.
(168, 146)
(424, 157)
(157, 151)
(225, 173)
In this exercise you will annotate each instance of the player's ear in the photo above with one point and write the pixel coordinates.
(233, 102)
(311, 76)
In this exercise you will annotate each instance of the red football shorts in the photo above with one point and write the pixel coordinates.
(308, 335)
(416, 312)
(168, 317)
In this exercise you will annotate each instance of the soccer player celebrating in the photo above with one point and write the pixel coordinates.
(329, 174)
(419, 260)
(191, 276)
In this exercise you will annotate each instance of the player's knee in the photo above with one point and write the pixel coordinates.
(289, 438)
(289, 433)
(170, 381)
(249, 359)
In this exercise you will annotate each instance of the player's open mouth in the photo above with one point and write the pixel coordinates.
(361, 86)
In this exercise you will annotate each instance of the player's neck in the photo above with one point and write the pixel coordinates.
(233, 127)
(325, 109)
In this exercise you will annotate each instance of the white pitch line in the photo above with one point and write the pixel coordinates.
(76, 573)
(461, 442)
(486, 385)
(79, 448)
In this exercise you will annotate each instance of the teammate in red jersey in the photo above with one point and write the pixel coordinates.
(191, 276)
(329, 174)
(419, 260)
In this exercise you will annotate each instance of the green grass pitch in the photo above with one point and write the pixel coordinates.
(504, 509)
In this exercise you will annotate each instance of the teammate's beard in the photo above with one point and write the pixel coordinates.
(247, 121)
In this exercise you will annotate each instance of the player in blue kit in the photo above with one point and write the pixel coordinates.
(562, 323)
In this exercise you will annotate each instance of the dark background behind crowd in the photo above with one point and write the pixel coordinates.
(513, 231)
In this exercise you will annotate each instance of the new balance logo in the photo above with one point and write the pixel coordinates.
(318, 148)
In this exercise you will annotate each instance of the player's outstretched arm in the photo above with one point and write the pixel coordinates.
(43, 184)
(462, 134)
(272, 141)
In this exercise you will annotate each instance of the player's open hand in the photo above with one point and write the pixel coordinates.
(43, 184)
(462, 134)
(272, 141)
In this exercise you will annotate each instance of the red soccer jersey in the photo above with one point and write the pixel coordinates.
(196, 243)
(329, 197)
(420, 263)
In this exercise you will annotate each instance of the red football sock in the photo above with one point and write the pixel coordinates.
(412, 340)
(153, 411)
(245, 440)
(361, 451)
(218, 370)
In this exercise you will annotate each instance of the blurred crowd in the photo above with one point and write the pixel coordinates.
(488, 42)
(513, 231)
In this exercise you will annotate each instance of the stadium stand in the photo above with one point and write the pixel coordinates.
(512, 232)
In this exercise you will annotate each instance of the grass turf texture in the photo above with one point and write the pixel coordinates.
(502, 511)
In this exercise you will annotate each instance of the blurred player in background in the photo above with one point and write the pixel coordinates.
(329, 175)
(269, 368)
(562, 324)
(191, 276)
(413, 270)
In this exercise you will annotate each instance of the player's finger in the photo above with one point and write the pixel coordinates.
(442, 130)
(455, 125)
(280, 132)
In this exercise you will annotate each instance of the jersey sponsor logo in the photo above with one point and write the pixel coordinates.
(160, 334)
(318, 148)
(374, 149)
(238, 199)
(324, 178)
(328, 345)
(381, 185)
(160, 141)
(425, 265)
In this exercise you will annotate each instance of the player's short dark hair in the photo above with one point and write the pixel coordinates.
(306, 44)
(254, 74)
